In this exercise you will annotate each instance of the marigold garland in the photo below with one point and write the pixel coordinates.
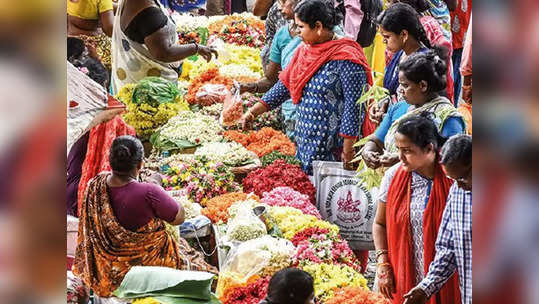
(353, 295)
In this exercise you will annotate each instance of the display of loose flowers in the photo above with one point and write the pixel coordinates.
(354, 295)
(264, 141)
(328, 277)
(200, 178)
(250, 293)
(229, 153)
(186, 130)
(291, 221)
(217, 208)
(146, 118)
(279, 174)
(192, 209)
(288, 197)
(210, 76)
(241, 29)
(323, 249)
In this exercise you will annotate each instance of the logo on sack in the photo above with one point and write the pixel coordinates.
(348, 210)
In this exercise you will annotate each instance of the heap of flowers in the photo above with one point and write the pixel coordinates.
(198, 35)
(270, 119)
(240, 29)
(325, 249)
(353, 295)
(288, 197)
(217, 208)
(191, 69)
(268, 159)
(192, 209)
(210, 76)
(242, 55)
(201, 179)
(186, 130)
(252, 292)
(214, 110)
(230, 153)
(263, 142)
(292, 221)
(328, 277)
(146, 118)
(187, 22)
(236, 70)
(312, 233)
(279, 174)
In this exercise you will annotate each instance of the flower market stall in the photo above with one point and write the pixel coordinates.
(243, 190)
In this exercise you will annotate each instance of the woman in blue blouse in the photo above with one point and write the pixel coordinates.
(324, 79)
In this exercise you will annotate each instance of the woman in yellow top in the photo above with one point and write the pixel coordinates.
(92, 21)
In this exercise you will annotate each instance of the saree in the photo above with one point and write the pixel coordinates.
(399, 234)
(106, 250)
(132, 61)
(440, 108)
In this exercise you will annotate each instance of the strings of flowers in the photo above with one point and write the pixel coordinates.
(217, 208)
(264, 141)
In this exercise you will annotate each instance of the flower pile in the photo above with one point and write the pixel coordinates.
(210, 76)
(185, 130)
(198, 35)
(263, 142)
(230, 153)
(312, 232)
(328, 277)
(192, 210)
(268, 159)
(288, 197)
(291, 221)
(146, 118)
(270, 119)
(240, 29)
(201, 179)
(250, 293)
(279, 174)
(217, 208)
(353, 295)
(214, 110)
(323, 249)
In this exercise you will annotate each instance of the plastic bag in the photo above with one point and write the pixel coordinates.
(263, 256)
(232, 109)
(210, 93)
(245, 226)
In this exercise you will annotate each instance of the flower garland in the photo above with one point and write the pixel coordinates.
(229, 153)
(214, 110)
(312, 232)
(194, 128)
(241, 29)
(328, 277)
(192, 210)
(217, 208)
(144, 117)
(353, 295)
(286, 196)
(279, 174)
(264, 141)
(201, 179)
(291, 221)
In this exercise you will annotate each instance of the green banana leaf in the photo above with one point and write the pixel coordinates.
(171, 300)
(152, 281)
(166, 144)
(155, 91)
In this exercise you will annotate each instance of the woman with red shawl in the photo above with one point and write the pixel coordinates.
(325, 78)
(412, 199)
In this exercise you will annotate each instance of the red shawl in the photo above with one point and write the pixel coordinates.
(399, 234)
(97, 157)
(309, 58)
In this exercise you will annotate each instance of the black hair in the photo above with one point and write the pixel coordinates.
(401, 16)
(310, 11)
(457, 149)
(125, 155)
(290, 286)
(96, 70)
(419, 5)
(421, 131)
(75, 48)
(430, 66)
